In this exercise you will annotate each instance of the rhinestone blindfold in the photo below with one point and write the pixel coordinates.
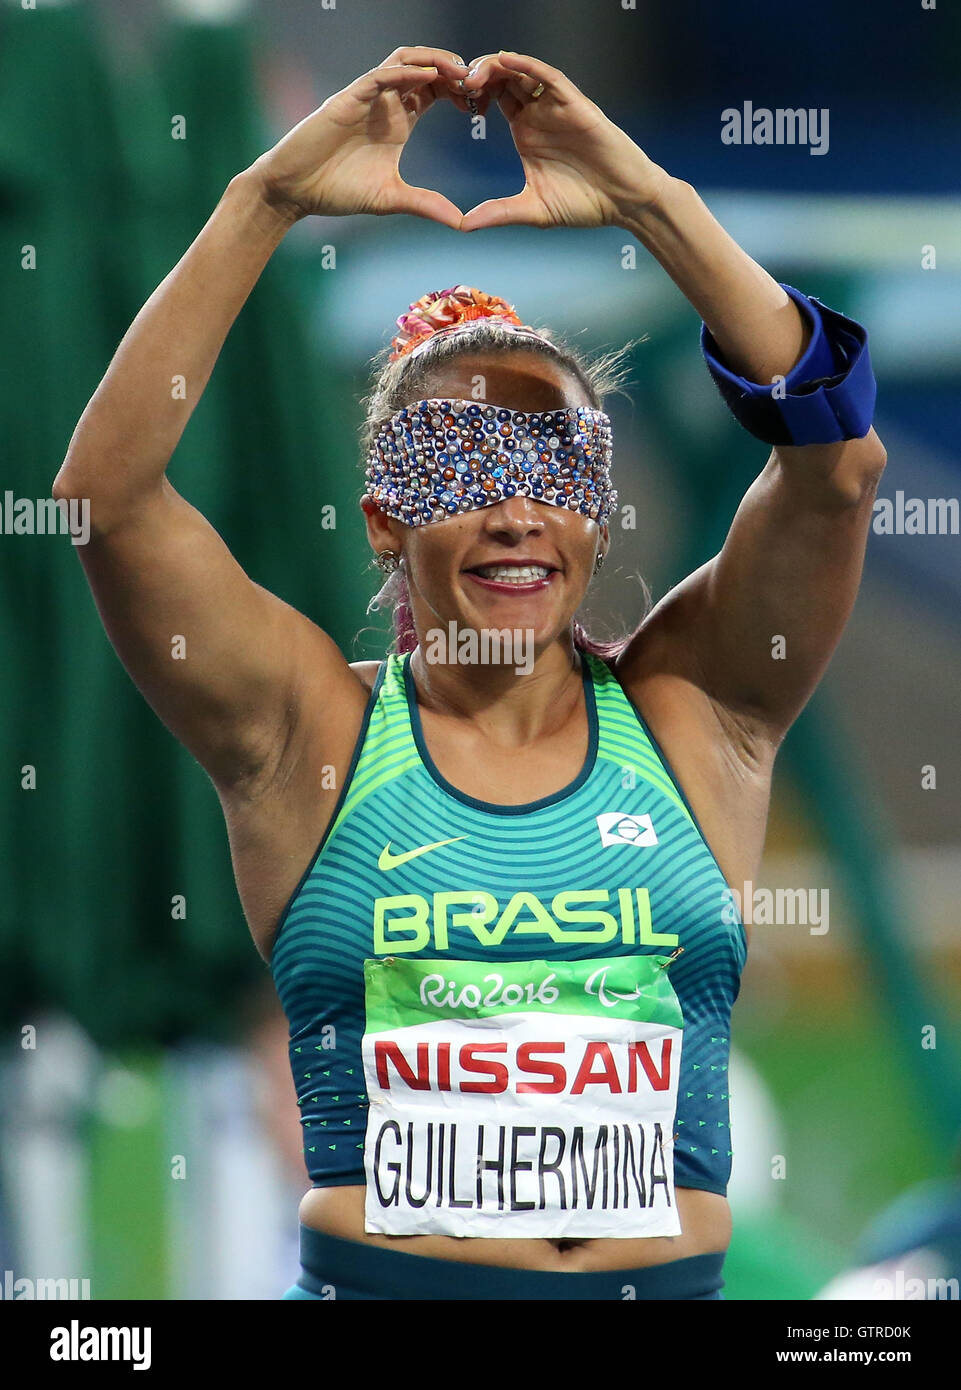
(434, 459)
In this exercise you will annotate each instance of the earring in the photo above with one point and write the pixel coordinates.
(388, 560)
(598, 562)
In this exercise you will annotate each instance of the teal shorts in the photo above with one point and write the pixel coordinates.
(335, 1269)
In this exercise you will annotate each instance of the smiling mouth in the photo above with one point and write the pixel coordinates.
(515, 576)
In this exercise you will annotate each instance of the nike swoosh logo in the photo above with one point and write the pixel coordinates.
(391, 861)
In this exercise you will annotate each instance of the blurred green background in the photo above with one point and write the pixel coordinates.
(157, 1035)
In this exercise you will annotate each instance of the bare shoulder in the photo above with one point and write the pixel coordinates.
(335, 695)
(366, 671)
(660, 671)
(275, 828)
(658, 667)
(723, 768)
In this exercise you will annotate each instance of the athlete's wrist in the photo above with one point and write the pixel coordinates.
(661, 203)
(265, 212)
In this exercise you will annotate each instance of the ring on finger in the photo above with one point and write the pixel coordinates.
(538, 91)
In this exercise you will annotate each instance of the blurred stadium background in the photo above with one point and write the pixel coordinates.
(148, 1135)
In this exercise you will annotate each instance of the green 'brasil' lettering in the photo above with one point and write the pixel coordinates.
(411, 922)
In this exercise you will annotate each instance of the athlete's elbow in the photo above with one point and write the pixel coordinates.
(73, 481)
(855, 482)
(865, 463)
(63, 488)
(872, 457)
(834, 477)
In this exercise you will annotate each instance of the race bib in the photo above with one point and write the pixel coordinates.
(534, 1099)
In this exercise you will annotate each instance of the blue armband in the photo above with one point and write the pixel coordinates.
(827, 396)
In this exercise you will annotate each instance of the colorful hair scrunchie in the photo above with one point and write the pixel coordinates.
(444, 311)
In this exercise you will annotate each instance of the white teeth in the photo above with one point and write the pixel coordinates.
(514, 574)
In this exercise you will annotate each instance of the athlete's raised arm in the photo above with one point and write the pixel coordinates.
(754, 628)
(157, 568)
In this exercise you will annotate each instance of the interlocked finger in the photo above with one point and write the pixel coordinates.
(514, 80)
(450, 70)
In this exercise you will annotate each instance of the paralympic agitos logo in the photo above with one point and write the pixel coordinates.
(609, 998)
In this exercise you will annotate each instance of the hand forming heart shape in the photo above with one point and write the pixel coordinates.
(580, 169)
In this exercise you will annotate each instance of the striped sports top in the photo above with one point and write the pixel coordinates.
(620, 841)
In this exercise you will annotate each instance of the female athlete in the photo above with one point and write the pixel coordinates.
(509, 967)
